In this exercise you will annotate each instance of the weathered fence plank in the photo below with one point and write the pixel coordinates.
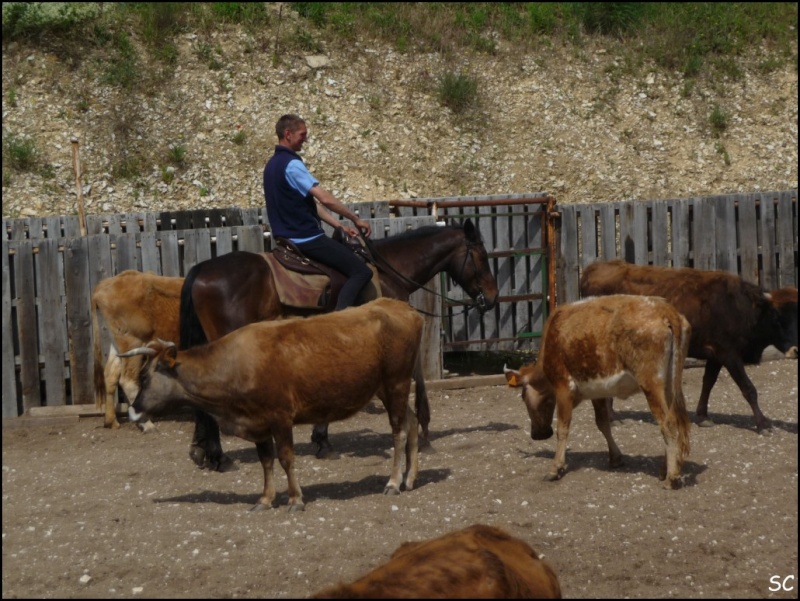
(10, 406)
(79, 330)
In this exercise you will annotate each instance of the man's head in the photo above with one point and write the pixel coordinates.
(291, 131)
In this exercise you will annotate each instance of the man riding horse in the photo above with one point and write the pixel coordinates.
(292, 194)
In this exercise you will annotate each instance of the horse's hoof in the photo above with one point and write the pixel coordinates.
(705, 422)
(225, 464)
(391, 491)
(616, 462)
(427, 448)
(297, 507)
(198, 455)
(765, 430)
(327, 453)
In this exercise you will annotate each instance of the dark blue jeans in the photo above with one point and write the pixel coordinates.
(335, 254)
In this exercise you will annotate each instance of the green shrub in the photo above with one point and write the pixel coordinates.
(177, 154)
(718, 120)
(20, 152)
(458, 92)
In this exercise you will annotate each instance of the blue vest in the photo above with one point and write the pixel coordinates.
(290, 214)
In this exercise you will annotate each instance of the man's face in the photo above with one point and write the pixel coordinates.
(295, 139)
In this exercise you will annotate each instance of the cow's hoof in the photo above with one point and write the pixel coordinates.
(147, 427)
(297, 507)
(672, 483)
(391, 491)
(260, 507)
(765, 430)
(705, 422)
(553, 477)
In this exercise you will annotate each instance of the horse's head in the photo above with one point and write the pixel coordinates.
(471, 271)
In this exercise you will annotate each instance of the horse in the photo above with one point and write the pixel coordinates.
(232, 290)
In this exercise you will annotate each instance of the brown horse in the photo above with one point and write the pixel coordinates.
(230, 291)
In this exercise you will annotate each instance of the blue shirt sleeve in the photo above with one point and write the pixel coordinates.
(299, 178)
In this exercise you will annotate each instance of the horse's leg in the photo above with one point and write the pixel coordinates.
(206, 449)
(319, 437)
(603, 421)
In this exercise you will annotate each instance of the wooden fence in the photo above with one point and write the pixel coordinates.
(537, 252)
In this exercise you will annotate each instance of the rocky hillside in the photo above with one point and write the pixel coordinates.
(572, 122)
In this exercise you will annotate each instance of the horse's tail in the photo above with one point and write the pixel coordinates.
(421, 406)
(677, 417)
(99, 364)
(191, 332)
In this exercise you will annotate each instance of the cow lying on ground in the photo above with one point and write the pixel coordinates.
(265, 377)
(137, 308)
(604, 347)
(479, 562)
(732, 321)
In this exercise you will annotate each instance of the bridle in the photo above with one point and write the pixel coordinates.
(480, 298)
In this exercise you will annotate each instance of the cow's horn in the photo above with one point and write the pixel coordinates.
(142, 350)
(165, 342)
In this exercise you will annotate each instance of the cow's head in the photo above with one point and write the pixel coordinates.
(541, 404)
(158, 384)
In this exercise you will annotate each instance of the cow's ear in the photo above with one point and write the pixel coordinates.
(513, 377)
(171, 356)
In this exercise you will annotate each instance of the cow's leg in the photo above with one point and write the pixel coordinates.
(612, 415)
(602, 420)
(111, 376)
(284, 440)
(399, 423)
(266, 454)
(422, 405)
(206, 449)
(319, 437)
(670, 472)
(710, 376)
(563, 421)
(412, 449)
(736, 369)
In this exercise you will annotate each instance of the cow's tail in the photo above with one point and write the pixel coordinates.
(677, 417)
(191, 332)
(99, 363)
(421, 406)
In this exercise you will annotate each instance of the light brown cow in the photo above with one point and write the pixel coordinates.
(137, 308)
(479, 562)
(265, 377)
(612, 346)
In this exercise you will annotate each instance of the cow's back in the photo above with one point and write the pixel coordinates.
(726, 313)
(476, 562)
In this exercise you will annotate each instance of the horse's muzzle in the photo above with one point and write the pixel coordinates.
(542, 434)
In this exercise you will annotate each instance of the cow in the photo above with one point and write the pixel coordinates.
(732, 321)
(785, 301)
(136, 307)
(479, 562)
(611, 346)
(265, 377)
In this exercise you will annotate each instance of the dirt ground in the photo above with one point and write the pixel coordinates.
(89, 512)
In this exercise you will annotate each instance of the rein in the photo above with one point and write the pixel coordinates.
(377, 257)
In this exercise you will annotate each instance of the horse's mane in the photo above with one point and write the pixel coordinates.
(418, 233)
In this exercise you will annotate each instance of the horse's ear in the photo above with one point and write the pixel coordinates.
(469, 228)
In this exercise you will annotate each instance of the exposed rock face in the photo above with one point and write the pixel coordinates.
(573, 124)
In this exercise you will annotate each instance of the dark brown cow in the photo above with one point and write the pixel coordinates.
(732, 321)
(479, 562)
(604, 347)
(265, 377)
(785, 301)
(137, 308)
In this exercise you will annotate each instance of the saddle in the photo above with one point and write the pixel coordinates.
(306, 284)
